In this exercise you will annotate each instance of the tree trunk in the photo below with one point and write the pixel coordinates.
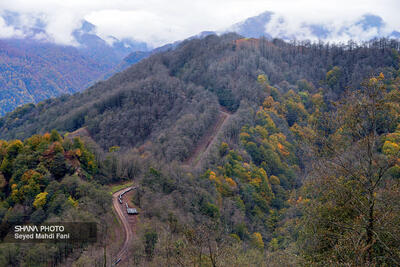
(370, 229)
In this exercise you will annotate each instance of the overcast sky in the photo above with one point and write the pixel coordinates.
(158, 22)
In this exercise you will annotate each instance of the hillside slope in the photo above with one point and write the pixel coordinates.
(272, 180)
(33, 69)
(176, 93)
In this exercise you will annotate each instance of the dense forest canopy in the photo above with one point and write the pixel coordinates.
(302, 173)
(47, 178)
(33, 70)
(134, 105)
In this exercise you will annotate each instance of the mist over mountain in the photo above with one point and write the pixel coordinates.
(84, 35)
(34, 68)
(273, 25)
(111, 50)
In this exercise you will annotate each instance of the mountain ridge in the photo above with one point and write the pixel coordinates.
(174, 75)
(34, 69)
(73, 68)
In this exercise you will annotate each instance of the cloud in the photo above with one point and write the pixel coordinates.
(288, 27)
(8, 31)
(158, 22)
(56, 27)
(60, 27)
(136, 24)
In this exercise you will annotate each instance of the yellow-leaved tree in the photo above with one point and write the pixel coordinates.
(257, 241)
(352, 214)
(40, 200)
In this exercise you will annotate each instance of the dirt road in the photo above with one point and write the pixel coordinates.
(124, 219)
(207, 141)
(201, 150)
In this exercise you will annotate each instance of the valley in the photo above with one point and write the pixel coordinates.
(242, 148)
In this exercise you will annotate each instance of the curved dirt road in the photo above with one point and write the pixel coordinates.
(201, 150)
(120, 210)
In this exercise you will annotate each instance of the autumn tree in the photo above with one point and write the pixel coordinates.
(351, 201)
(40, 200)
(150, 241)
(257, 241)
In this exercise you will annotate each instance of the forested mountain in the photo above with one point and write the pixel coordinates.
(33, 69)
(225, 68)
(301, 173)
(137, 56)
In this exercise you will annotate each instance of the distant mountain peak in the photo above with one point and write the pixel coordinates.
(272, 25)
(10, 18)
(253, 27)
(85, 35)
(368, 21)
(87, 27)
